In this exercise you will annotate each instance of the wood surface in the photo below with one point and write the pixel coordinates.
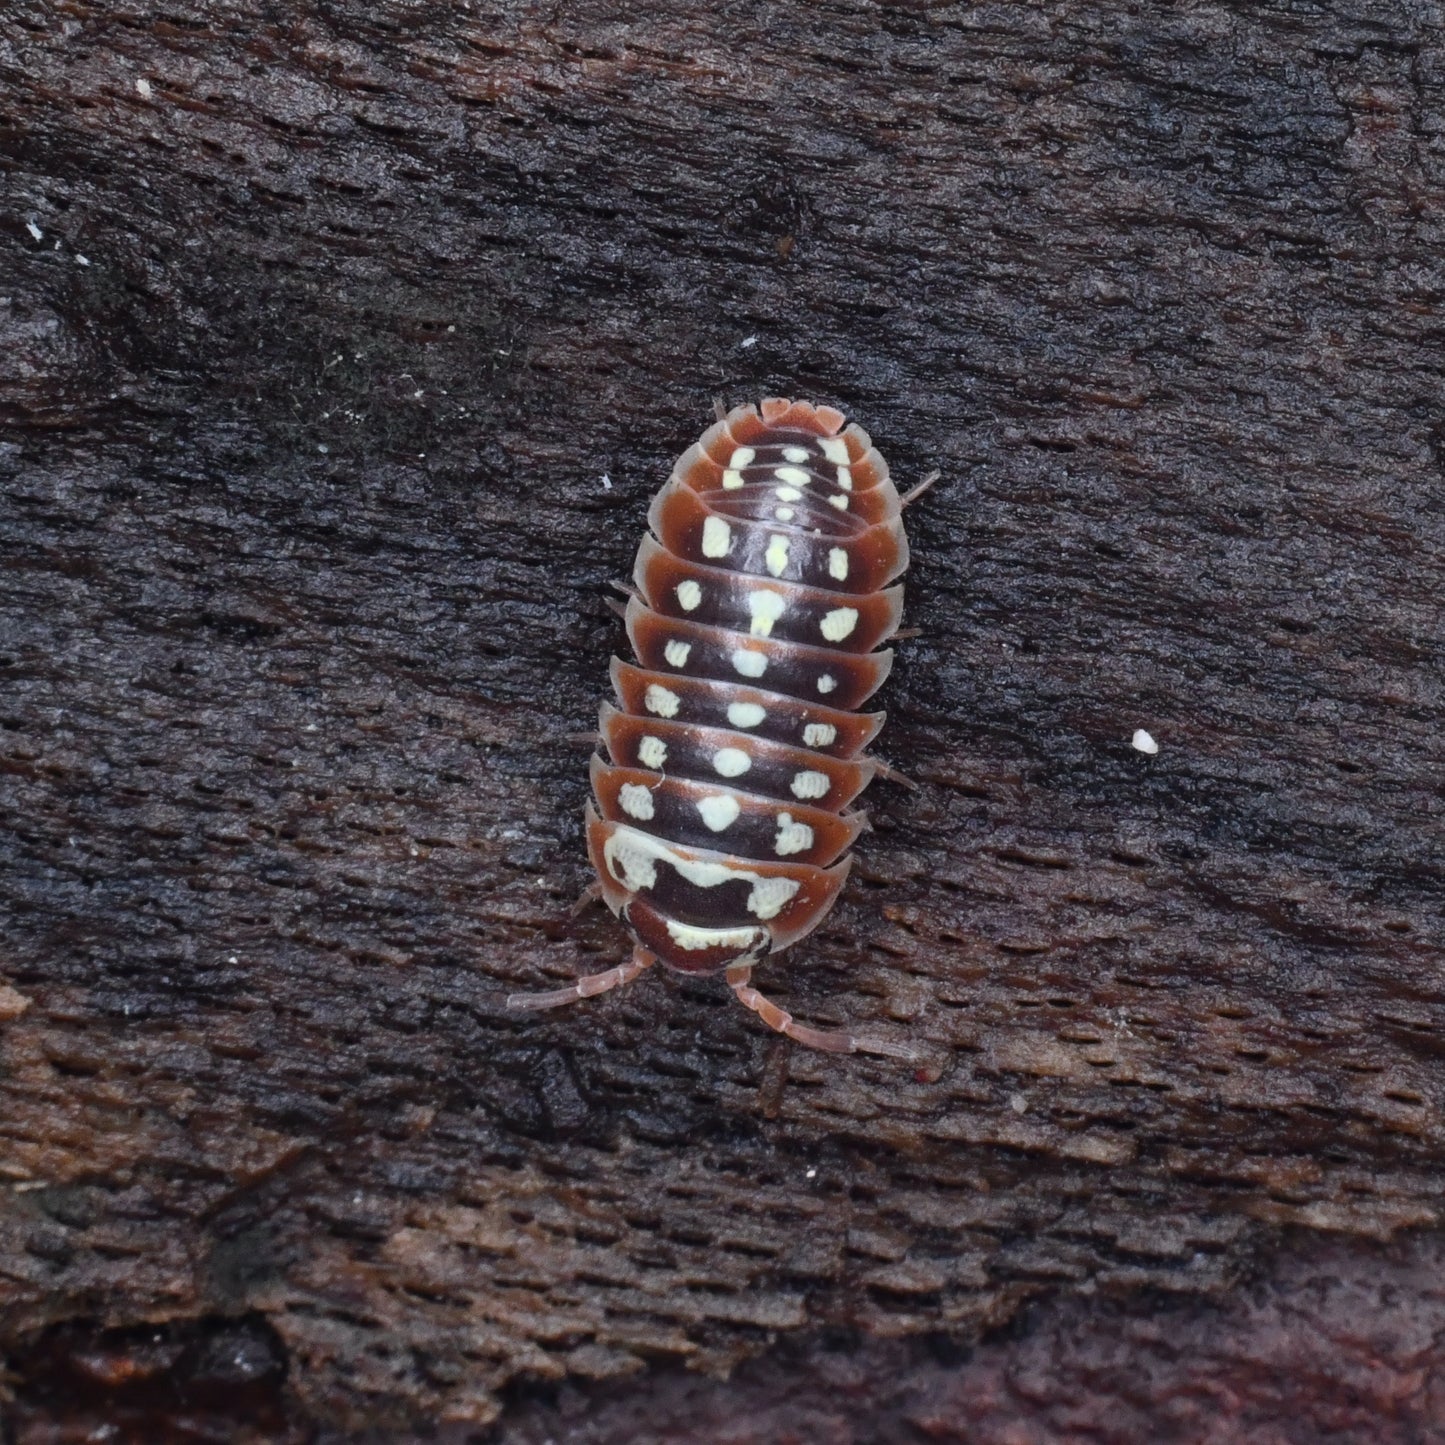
(342, 346)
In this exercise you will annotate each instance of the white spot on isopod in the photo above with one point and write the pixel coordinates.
(717, 537)
(689, 594)
(769, 894)
(686, 935)
(652, 752)
(636, 801)
(731, 762)
(788, 494)
(809, 784)
(742, 457)
(819, 735)
(827, 682)
(840, 501)
(776, 557)
(784, 514)
(839, 623)
(732, 479)
(719, 811)
(765, 607)
(792, 837)
(661, 700)
(746, 714)
(749, 663)
(794, 475)
(795, 454)
(838, 564)
(835, 449)
(676, 652)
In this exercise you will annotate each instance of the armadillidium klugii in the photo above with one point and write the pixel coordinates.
(721, 826)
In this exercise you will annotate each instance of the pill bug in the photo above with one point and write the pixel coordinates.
(720, 824)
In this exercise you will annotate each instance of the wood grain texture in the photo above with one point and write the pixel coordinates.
(336, 319)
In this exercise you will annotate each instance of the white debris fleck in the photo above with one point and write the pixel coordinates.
(606, 482)
(143, 87)
(81, 260)
(36, 234)
(1018, 1104)
(1143, 742)
(748, 341)
(811, 1174)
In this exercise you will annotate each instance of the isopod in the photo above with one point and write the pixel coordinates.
(721, 819)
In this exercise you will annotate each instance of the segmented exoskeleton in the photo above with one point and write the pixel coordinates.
(721, 826)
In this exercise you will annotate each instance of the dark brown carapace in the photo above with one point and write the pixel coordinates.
(721, 828)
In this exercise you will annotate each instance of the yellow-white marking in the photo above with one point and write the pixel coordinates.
(731, 762)
(810, 785)
(794, 475)
(776, 557)
(792, 837)
(746, 714)
(636, 801)
(795, 454)
(749, 663)
(632, 858)
(839, 623)
(819, 735)
(652, 752)
(765, 607)
(686, 935)
(788, 494)
(838, 564)
(717, 537)
(827, 682)
(661, 700)
(676, 652)
(689, 594)
(769, 894)
(742, 457)
(732, 480)
(835, 449)
(784, 514)
(719, 811)
(845, 478)
(840, 500)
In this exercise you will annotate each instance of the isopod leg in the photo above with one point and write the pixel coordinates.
(882, 770)
(589, 895)
(919, 490)
(834, 1041)
(586, 986)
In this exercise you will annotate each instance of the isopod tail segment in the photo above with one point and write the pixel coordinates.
(723, 790)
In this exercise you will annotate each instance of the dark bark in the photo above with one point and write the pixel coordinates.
(336, 318)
